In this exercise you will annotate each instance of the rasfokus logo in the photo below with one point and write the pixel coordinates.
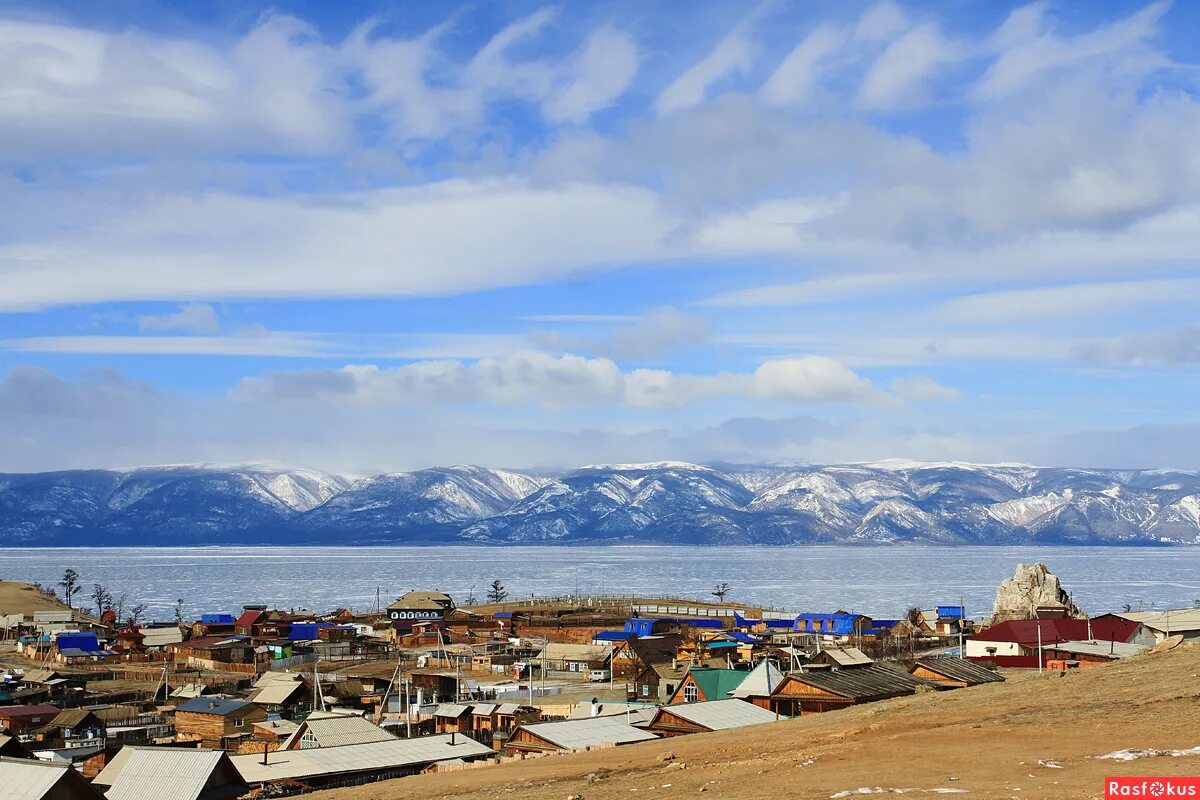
(1152, 787)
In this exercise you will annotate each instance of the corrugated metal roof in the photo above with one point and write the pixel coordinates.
(959, 669)
(846, 656)
(875, 682)
(484, 709)
(221, 706)
(25, 779)
(574, 734)
(559, 651)
(276, 694)
(1096, 648)
(338, 730)
(507, 708)
(300, 764)
(760, 681)
(717, 715)
(1176, 621)
(451, 710)
(161, 637)
(165, 773)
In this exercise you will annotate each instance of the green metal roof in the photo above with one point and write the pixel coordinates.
(716, 684)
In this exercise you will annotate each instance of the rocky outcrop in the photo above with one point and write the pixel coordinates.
(1033, 589)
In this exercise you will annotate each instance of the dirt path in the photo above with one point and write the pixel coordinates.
(1032, 737)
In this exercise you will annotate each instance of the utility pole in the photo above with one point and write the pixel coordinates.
(407, 711)
(962, 620)
(1039, 629)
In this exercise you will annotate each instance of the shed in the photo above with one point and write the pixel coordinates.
(813, 692)
(358, 763)
(954, 673)
(172, 773)
(333, 729)
(24, 779)
(715, 715)
(574, 734)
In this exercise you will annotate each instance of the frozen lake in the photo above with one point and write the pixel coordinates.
(883, 581)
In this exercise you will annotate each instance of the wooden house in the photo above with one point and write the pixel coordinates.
(19, 719)
(954, 673)
(707, 683)
(39, 780)
(217, 723)
(802, 693)
(839, 658)
(715, 715)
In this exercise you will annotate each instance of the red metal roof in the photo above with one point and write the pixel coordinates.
(248, 617)
(1025, 631)
(43, 709)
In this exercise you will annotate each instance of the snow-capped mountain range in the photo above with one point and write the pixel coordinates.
(664, 502)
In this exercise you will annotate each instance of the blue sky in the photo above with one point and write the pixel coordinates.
(372, 237)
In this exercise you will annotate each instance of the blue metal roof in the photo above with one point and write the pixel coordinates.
(217, 619)
(221, 706)
(744, 638)
(303, 631)
(786, 624)
(700, 623)
(86, 642)
(953, 612)
(502, 615)
(611, 636)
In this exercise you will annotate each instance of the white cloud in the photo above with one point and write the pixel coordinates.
(191, 317)
(798, 75)
(1177, 347)
(1028, 51)
(922, 389)
(1056, 302)
(71, 91)
(560, 382)
(881, 22)
(282, 344)
(655, 333)
(732, 55)
(817, 291)
(898, 76)
(384, 242)
(594, 77)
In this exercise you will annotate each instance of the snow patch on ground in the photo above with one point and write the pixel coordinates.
(885, 790)
(1149, 752)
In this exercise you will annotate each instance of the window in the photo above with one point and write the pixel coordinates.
(645, 690)
(238, 722)
(690, 694)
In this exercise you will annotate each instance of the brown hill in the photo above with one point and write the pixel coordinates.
(25, 598)
(1035, 736)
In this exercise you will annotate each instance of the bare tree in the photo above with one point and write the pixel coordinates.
(720, 591)
(179, 611)
(101, 597)
(137, 612)
(913, 615)
(69, 584)
(497, 593)
(118, 606)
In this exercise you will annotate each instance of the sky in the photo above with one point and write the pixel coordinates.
(368, 237)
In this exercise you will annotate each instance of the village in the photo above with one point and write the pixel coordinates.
(265, 702)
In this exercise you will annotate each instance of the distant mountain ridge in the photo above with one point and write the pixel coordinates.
(659, 503)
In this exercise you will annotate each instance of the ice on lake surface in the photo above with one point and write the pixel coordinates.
(881, 581)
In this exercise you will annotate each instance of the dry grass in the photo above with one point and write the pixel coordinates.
(995, 741)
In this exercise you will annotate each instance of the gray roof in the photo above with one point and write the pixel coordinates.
(484, 709)
(451, 710)
(875, 682)
(717, 715)
(1097, 648)
(221, 706)
(276, 694)
(846, 656)
(336, 730)
(1175, 620)
(761, 681)
(161, 637)
(25, 779)
(300, 764)
(960, 669)
(167, 773)
(575, 734)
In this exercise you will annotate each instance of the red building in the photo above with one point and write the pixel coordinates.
(1015, 643)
